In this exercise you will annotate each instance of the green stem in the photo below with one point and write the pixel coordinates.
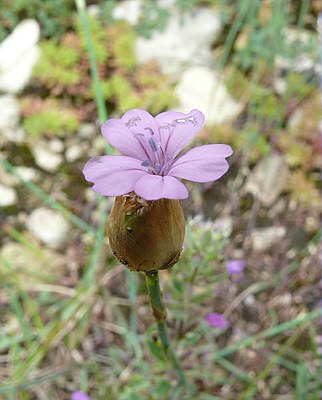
(159, 313)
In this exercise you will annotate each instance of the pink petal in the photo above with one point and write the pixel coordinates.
(120, 133)
(154, 187)
(202, 164)
(113, 175)
(178, 129)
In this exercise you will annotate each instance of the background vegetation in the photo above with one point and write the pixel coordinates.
(72, 318)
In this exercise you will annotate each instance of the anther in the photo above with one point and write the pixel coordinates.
(153, 145)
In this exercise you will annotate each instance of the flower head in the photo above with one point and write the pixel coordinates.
(235, 267)
(79, 396)
(152, 159)
(217, 320)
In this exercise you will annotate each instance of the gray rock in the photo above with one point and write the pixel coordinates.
(186, 40)
(201, 88)
(268, 179)
(18, 55)
(48, 226)
(264, 238)
(8, 196)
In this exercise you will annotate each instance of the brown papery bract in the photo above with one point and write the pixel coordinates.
(146, 235)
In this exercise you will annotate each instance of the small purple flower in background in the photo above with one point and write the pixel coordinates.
(236, 267)
(79, 396)
(152, 157)
(217, 320)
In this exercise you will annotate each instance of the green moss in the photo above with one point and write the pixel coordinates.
(64, 70)
(55, 122)
(160, 100)
(98, 37)
(303, 190)
(123, 48)
(123, 94)
(58, 65)
(265, 104)
(298, 87)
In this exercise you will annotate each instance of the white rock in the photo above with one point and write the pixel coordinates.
(306, 44)
(56, 145)
(18, 55)
(48, 226)
(87, 131)
(268, 179)
(264, 238)
(28, 173)
(201, 88)
(128, 10)
(6, 178)
(29, 267)
(74, 152)
(186, 40)
(224, 225)
(9, 120)
(46, 158)
(8, 196)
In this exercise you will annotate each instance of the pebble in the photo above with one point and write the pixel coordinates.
(18, 55)
(201, 88)
(74, 152)
(268, 179)
(9, 120)
(45, 266)
(28, 173)
(48, 226)
(87, 131)
(46, 158)
(8, 196)
(186, 40)
(264, 238)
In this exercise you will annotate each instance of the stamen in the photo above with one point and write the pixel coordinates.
(132, 121)
(185, 120)
(153, 145)
(139, 137)
(151, 131)
(146, 163)
(158, 167)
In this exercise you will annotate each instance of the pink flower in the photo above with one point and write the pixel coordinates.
(217, 320)
(235, 267)
(152, 159)
(79, 396)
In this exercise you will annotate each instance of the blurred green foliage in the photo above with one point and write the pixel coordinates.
(64, 70)
(59, 65)
(115, 360)
(54, 16)
(154, 17)
(53, 122)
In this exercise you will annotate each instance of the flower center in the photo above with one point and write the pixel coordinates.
(156, 161)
